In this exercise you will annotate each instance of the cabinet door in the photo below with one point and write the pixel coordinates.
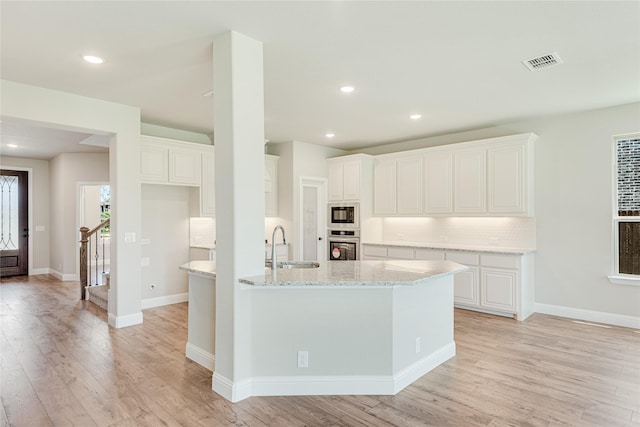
(506, 179)
(409, 186)
(184, 167)
(466, 286)
(400, 253)
(154, 164)
(208, 188)
(498, 289)
(429, 254)
(470, 181)
(351, 180)
(335, 172)
(384, 187)
(438, 183)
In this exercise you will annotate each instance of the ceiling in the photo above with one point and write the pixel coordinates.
(456, 63)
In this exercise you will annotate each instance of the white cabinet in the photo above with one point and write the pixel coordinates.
(154, 163)
(494, 283)
(409, 185)
(470, 185)
(166, 161)
(271, 185)
(373, 252)
(429, 254)
(400, 252)
(492, 177)
(344, 179)
(499, 289)
(208, 187)
(438, 182)
(510, 178)
(398, 186)
(466, 285)
(384, 186)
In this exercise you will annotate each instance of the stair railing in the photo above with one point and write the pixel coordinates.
(90, 243)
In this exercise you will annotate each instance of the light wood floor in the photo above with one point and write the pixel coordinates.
(62, 365)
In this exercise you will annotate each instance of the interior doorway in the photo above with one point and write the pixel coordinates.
(313, 218)
(14, 223)
(94, 207)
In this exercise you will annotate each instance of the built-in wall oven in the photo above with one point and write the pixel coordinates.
(344, 215)
(344, 245)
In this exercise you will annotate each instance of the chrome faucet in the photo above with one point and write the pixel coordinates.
(274, 257)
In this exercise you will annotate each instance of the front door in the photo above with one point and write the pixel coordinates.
(14, 231)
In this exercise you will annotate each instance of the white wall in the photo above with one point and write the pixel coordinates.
(122, 123)
(39, 209)
(574, 194)
(165, 223)
(297, 159)
(68, 170)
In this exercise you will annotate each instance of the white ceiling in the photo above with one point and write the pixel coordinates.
(456, 63)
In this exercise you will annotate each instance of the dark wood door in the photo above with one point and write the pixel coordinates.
(14, 231)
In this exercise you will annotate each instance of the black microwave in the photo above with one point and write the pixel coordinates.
(343, 215)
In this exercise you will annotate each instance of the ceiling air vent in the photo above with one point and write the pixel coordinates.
(542, 61)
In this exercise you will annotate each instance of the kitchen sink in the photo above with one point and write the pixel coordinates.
(295, 264)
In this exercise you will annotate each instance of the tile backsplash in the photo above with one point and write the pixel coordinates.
(504, 232)
(202, 231)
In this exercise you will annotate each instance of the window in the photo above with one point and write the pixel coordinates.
(626, 216)
(105, 209)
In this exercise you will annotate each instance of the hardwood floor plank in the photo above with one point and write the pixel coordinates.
(62, 365)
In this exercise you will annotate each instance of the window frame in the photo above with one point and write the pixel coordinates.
(617, 277)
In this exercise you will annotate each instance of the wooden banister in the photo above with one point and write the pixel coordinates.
(85, 234)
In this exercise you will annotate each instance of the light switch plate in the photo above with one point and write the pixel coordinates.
(129, 237)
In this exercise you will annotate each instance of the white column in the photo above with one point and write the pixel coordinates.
(239, 143)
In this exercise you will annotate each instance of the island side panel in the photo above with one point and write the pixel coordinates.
(202, 320)
(422, 328)
(346, 331)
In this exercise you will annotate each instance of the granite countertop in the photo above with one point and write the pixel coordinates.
(454, 246)
(356, 274)
(200, 268)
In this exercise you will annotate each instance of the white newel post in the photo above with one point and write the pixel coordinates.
(239, 167)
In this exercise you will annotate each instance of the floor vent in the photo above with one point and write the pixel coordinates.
(542, 61)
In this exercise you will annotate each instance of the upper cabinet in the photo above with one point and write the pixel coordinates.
(438, 182)
(469, 181)
(510, 178)
(165, 161)
(492, 177)
(398, 182)
(344, 179)
(349, 177)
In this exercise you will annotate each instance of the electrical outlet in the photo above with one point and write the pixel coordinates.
(152, 286)
(303, 359)
(418, 345)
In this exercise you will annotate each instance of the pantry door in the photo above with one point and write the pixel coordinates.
(14, 217)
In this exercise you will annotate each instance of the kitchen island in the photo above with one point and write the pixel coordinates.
(347, 327)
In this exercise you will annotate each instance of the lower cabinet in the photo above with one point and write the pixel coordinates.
(494, 283)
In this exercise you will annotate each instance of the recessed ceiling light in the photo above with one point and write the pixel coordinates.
(347, 89)
(12, 145)
(330, 135)
(93, 59)
(415, 116)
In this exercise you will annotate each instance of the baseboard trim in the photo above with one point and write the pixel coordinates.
(201, 357)
(64, 277)
(233, 392)
(124, 321)
(37, 271)
(331, 385)
(423, 366)
(165, 300)
(591, 316)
